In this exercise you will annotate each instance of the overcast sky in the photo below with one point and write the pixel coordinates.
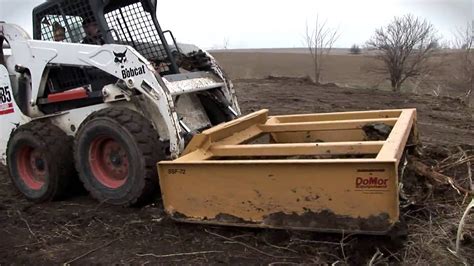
(278, 23)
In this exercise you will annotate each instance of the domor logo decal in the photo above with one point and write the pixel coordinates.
(371, 182)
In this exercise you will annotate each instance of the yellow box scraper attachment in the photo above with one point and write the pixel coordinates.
(329, 172)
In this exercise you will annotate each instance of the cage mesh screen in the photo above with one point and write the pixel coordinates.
(66, 77)
(64, 22)
(134, 26)
(66, 18)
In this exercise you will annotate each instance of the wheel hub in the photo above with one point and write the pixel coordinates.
(39, 164)
(116, 159)
(32, 167)
(109, 162)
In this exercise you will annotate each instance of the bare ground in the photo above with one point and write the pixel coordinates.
(360, 71)
(82, 231)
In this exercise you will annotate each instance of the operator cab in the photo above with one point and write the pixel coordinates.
(130, 22)
(125, 22)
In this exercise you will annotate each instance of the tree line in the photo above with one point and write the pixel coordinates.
(403, 47)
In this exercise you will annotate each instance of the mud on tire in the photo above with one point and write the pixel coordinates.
(116, 151)
(40, 162)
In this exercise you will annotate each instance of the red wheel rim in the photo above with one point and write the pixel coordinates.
(32, 167)
(109, 162)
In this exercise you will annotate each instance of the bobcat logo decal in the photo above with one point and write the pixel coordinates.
(120, 57)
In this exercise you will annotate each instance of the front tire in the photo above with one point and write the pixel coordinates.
(40, 163)
(116, 151)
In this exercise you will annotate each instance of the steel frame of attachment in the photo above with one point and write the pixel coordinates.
(319, 172)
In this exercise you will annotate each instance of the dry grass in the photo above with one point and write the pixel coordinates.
(436, 209)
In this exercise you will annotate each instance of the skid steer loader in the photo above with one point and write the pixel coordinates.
(101, 90)
(103, 75)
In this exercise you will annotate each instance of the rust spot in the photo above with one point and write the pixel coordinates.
(253, 206)
(327, 220)
(311, 198)
(258, 193)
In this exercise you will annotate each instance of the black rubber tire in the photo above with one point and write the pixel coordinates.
(140, 142)
(215, 114)
(55, 148)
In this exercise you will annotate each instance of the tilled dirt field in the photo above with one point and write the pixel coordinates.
(81, 231)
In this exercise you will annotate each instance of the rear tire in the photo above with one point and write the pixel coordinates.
(40, 163)
(116, 151)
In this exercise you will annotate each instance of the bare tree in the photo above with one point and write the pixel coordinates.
(226, 43)
(404, 46)
(464, 41)
(319, 41)
(355, 49)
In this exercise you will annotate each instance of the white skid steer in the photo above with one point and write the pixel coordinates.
(101, 90)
